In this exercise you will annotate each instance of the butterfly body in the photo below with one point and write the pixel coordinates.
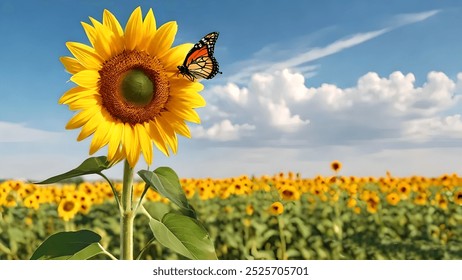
(200, 63)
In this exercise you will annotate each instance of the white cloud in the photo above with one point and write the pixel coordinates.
(377, 108)
(404, 19)
(18, 132)
(222, 131)
(421, 130)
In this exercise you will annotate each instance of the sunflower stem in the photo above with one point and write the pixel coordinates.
(128, 215)
(282, 251)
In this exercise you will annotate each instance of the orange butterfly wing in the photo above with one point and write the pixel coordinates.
(199, 62)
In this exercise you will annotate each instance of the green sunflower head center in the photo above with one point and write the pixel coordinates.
(137, 88)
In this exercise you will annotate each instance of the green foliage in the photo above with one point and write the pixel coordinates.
(93, 165)
(165, 181)
(184, 235)
(79, 245)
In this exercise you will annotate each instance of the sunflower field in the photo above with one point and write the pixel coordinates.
(284, 216)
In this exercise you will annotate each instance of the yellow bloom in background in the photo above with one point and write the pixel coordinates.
(441, 201)
(68, 208)
(276, 208)
(351, 202)
(289, 192)
(458, 197)
(249, 209)
(421, 198)
(336, 166)
(128, 94)
(404, 189)
(393, 198)
(32, 201)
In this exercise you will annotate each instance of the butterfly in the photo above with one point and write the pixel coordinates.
(200, 63)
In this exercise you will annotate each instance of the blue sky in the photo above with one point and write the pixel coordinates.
(372, 84)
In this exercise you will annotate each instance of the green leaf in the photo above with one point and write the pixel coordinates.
(91, 165)
(165, 181)
(73, 245)
(157, 210)
(184, 235)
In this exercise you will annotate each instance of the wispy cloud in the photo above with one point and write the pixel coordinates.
(332, 48)
(339, 45)
(404, 19)
(18, 132)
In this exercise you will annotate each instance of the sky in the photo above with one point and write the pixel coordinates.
(374, 84)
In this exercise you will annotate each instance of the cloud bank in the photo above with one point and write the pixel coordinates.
(278, 107)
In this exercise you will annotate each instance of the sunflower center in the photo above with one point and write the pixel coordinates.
(137, 88)
(68, 206)
(134, 87)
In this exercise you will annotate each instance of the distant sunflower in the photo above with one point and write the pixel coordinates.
(249, 209)
(289, 192)
(336, 166)
(393, 198)
(276, 208)
(421, 198)
(128, 93)
(458, 197)
(68, 208)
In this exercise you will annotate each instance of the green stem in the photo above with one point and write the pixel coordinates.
(283, 240)
(127, 215)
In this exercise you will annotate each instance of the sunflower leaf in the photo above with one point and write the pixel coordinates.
(73, 245)
(93, 165)
(166, 182)
(184, 235)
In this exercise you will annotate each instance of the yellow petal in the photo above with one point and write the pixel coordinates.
(111, 21)
(103, 40)
(185, 113)
(84, 103)
(76, 93)
(145, 143)
(153, 131)
(86, 78)
(168, 133)
(71, 64)
(180, 83)
(115, 139)
(90, 31)
(90, 126)
(132, 149)
(85, 55)
(134, 30)
(101, 136)
(178, 124)
(188, 99)
(81, 118)
(163, 39)
(149, 23)
(174, 57)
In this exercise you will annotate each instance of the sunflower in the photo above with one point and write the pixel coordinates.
(68, 208)
(421, 198)
(458, 197)
(129, 95)
(393, 198)
(276, 208)
(289, 192)
(336, 166)
(32, 201)
(249, 209)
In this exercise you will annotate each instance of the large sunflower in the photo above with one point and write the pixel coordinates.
(128, 92)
